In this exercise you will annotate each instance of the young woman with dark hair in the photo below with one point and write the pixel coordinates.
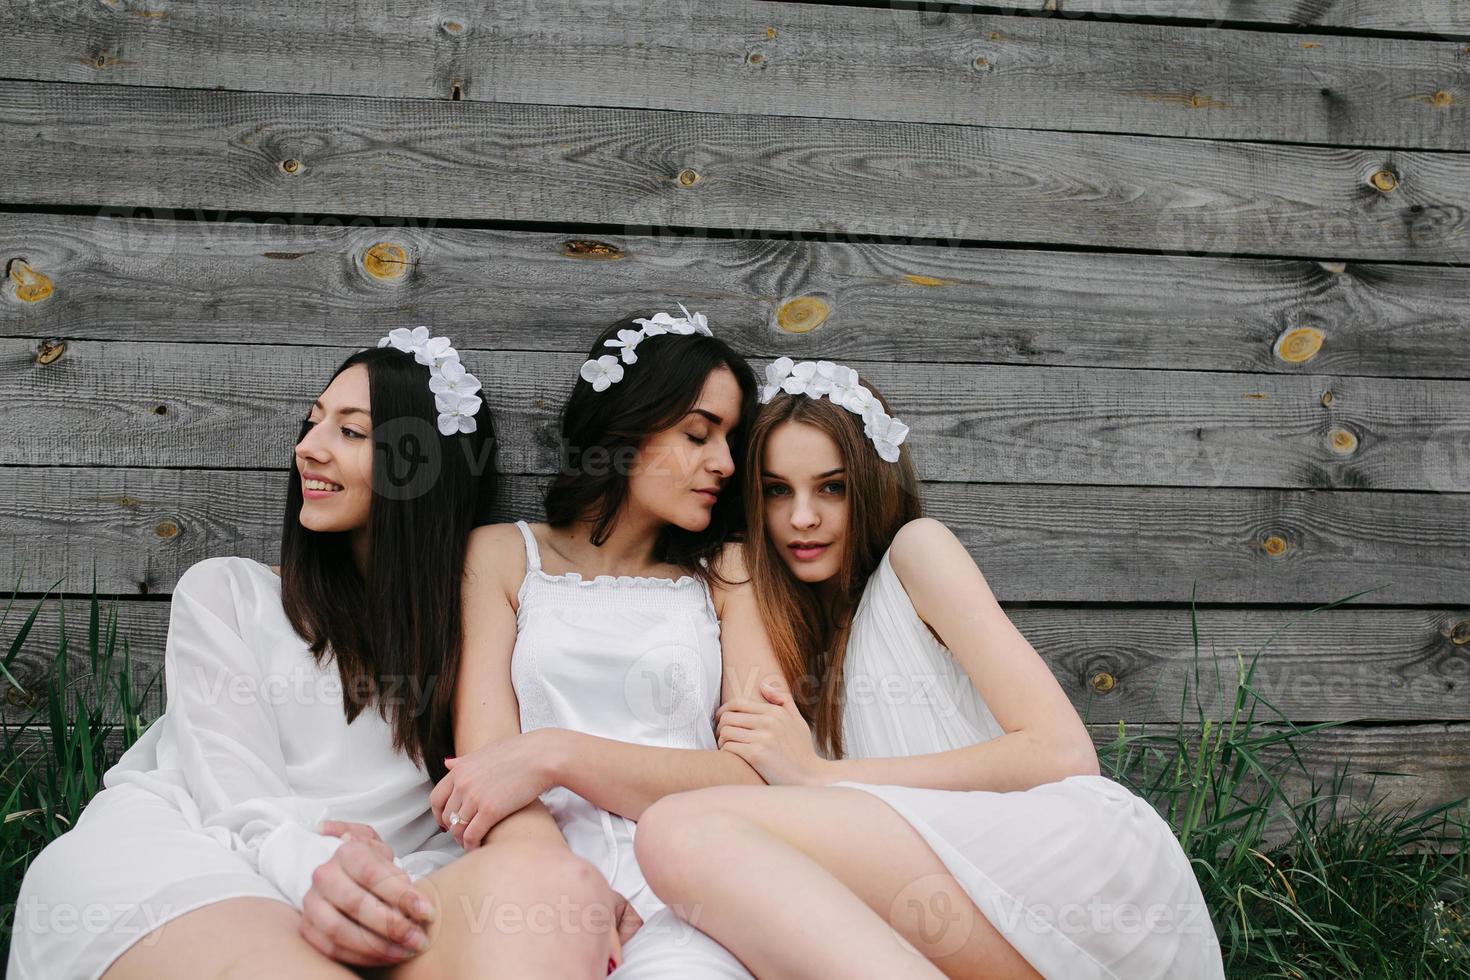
(593, 660)
(317, 691)
(948, 818)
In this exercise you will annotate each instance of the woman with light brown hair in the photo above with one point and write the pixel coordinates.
(935, 801)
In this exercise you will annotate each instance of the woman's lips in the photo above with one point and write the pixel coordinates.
(807, 552)
(708, 495)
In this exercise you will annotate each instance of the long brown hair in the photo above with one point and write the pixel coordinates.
(808, 636)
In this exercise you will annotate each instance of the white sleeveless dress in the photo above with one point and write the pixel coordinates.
(1081, 876)
(636, 659)
(223, 795)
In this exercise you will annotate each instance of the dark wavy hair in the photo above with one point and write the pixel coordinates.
(598, 428)
(395, 631)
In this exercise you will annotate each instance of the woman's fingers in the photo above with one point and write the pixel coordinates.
(362, 831)
(330, 949)
(439, 797)
(363, 892)
(346, 937)
(475, 830)
(733, 733)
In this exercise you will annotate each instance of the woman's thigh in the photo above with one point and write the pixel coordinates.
(866, 845)
(231, 938)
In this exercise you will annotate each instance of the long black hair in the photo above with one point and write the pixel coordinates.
(395, 631)
(600, 428)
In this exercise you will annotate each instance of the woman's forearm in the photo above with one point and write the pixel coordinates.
(1014, 761)
(532, 823)
(626, 778)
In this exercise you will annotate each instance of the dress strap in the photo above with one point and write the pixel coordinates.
(533, 553)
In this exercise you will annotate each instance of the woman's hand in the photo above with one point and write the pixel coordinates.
(362, 908)
(489, 784)
(771, 736)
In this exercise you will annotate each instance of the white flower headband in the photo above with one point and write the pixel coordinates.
(840, 384)
(453, 387)
(605, 371)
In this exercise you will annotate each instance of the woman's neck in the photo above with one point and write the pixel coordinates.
(628, 548)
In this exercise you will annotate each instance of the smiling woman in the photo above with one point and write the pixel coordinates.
(275, 818)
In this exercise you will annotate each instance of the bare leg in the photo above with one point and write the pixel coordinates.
(514, 910)
(507, 910)
(734, 860)
(237, 938)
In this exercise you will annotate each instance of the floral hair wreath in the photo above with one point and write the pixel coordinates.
(840, 384)
(605, 371)
(454, 388)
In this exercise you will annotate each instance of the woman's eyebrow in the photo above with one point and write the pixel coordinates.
(709, 415)
(819, 476)
(345, 411)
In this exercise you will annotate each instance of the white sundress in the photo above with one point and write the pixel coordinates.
(1081, 876)
(636, 659)
(222, 796)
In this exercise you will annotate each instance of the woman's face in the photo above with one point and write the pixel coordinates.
(334, 460)
(678, 473)
(804, 496)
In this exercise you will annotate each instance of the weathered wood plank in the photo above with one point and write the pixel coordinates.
(954, 67)
(1419, 765)
(156, 279)
(1435, 17)
(143, 527)
(222, 405)
(655, 169)
(1413, 766)
(1134, 665)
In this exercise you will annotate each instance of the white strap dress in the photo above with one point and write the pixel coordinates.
(1081, 876)
(636, 659)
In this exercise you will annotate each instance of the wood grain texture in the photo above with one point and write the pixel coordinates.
(1433, 17)
(1414, 766)
(653, 169)
(153, 278)
(1133, 665)
(223, 405)
(740, 56)
(1033, 542)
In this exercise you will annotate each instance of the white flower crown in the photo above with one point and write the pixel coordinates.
(840, 384)
(605, 371)
(453, 387)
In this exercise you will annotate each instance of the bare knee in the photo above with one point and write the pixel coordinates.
(523, 887)
(678, 834)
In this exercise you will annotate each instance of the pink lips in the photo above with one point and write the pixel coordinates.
(709, 494)
(807, 551)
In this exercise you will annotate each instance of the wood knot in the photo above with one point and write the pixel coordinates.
(291, 167)
(50, 350)
(1442, 99)
(1102, 682)
(1275, 545)
(770, 34)
(919, 280)
(454, 28)
(1298, 344)
(385, 261)
(688, 177)
(755, 58)
(1327, 398)
(1460, 634)
(24, 284)
(21, 698)
(1336, 268)
(802, 314)
(1342, 441)
(1385, 180)
(160, 409)
(166, 529)
(587, 248)
(981, 63)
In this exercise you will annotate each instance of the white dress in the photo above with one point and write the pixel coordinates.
(222, 796)
(1081, 876)
(636, 659)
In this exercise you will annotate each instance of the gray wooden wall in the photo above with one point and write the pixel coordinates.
(1175, 293)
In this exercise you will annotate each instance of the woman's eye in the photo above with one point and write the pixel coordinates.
(775, 490)
(837, 484)
(698, 441)
(353, 434)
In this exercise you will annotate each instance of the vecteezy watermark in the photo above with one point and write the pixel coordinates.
(660, 687)
(132, 919)
(564, 917)
(304, 685)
